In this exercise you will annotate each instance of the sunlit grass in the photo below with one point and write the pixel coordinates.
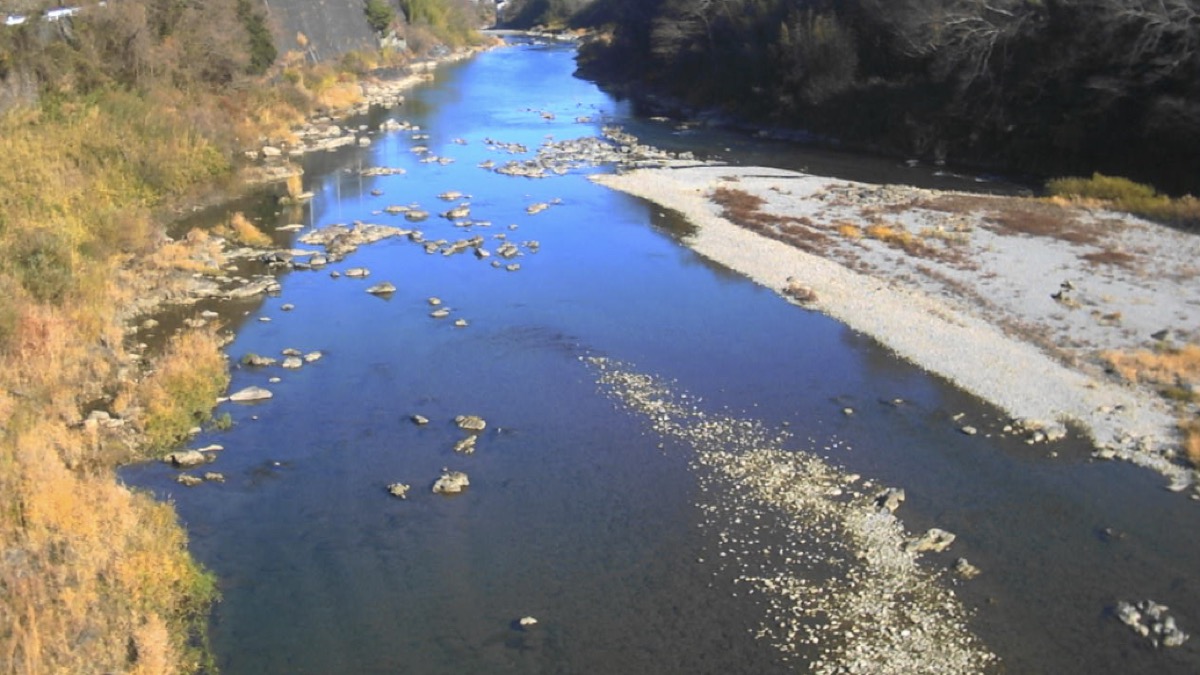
(1125, 195)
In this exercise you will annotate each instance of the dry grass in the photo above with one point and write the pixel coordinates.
(87, 557)
(850, 231)
(1171, 369)
(198, 252)
(1191, 441)
(240, 230)
(1032, 217)
(900, 238)
(744, 209)
(1109, 256)
(295, 185)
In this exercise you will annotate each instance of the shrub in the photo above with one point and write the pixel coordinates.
(183, 389)
(10, 312)
(44, 264)
(380, 15)
(1125, 195)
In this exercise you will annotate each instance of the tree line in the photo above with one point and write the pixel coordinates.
(1045, 86)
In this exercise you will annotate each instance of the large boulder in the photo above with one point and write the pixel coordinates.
(186, 458)
(470, 422)
(250, 394)
(451, 483)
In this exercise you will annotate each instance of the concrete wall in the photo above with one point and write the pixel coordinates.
(333, 27)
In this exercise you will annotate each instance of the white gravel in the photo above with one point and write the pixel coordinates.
(842, 593)
(984, 324)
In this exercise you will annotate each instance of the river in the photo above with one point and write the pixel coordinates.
(578, 512)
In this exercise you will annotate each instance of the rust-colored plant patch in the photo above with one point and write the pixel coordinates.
(1171, 369)
(744, 209)
(1191, 441)
(1109, 257)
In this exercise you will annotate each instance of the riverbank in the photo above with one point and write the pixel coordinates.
(98, 576)
(1027, 304)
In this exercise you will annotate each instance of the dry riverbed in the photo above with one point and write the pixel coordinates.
(1017, 301)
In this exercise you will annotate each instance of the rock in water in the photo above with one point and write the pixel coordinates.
(935, 539)
(965, 569)
(383, 288)
(256, 360)
(420, 420)
(250, 394)
(470, 423)
(890, 499)
(1150, 620)
(186, 458)
(451, 483)
(399, 490)
(466, 446)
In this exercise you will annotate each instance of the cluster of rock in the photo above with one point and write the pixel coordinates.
(292, 360)
(1150, 620)
(557, 158)
(190, 459)
(450, 482)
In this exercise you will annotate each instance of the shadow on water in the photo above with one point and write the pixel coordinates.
(575, 515)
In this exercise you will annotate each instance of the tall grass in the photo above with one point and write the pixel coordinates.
(1125, 195)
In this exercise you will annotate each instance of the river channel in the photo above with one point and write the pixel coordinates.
(578, 513)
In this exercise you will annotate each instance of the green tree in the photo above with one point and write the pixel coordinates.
(380, 15)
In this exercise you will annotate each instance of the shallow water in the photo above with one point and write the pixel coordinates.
(575, 515)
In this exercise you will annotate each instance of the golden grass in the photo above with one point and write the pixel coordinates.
(295, 185)
(1191, 441)
(91, 558)
(240, 230)
(850, 231)
(1173, 369)
(898, 237)
(198, 252)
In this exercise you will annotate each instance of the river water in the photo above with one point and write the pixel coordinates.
(577, 514)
